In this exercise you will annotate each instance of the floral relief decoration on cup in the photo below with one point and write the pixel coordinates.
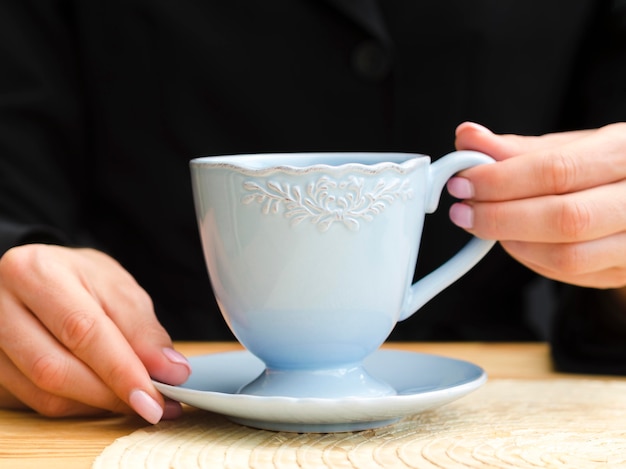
(326, 200)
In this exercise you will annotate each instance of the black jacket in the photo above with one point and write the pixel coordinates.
(104, 102)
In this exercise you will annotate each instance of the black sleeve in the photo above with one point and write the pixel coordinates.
(589, 330)
(42, 128)
(598, 94)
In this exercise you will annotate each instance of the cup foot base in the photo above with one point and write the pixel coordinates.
(312, 427)
(351, 381)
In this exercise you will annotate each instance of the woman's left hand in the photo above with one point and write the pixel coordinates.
(556, 203)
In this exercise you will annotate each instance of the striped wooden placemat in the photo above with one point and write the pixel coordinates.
(569, 423)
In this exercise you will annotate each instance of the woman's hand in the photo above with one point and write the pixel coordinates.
(79, 336)
(556, 203)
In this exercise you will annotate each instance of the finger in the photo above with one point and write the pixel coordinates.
(31, 396)
(9, 401)
(46, 366)
(142, 329)
(172, 410)
(594, 159)
(472, 136)
(602, 280)
(592, 263)
(78, 322)
(582, 216)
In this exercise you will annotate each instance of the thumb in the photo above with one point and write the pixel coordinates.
(472, 136)
(154, 347)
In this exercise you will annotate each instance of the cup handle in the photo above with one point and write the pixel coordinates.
(433, 283)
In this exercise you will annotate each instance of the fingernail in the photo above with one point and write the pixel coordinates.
(461, 188)
(177, 358)
(173, 410)
(462, 215)
(145, 406)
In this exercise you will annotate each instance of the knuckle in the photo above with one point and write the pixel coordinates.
(133, 296)
(49, 372)
(573, 220)
(560, 173)
(13, 264)
(116, 373)
(139, 298)
(27, 264)
(78, 330)
(149, 332)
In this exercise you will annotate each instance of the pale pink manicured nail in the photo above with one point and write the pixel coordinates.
(461, 188)
(145, 406)
(177, 358)
(462, 215)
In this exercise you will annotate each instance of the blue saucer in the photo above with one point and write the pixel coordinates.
(421, 381)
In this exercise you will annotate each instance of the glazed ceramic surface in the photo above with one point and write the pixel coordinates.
(311, 257)
(420, 381)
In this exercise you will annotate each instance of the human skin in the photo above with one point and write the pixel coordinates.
(78, 335)
(556, 203)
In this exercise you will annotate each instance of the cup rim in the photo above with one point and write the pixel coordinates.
(307, 162)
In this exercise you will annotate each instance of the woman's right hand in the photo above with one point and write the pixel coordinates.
(78, 336)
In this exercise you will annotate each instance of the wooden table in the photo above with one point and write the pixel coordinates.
(31, 441)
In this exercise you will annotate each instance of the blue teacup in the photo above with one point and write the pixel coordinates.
(311, 257)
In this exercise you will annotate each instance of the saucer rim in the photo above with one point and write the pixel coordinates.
(323, 414)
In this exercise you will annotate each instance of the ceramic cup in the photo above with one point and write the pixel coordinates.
(311, 258)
